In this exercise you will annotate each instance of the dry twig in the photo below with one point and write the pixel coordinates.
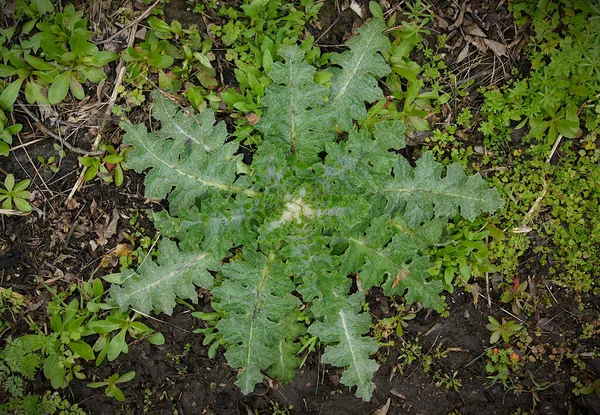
(130, 25)
(40, 125)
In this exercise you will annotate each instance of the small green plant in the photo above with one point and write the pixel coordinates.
(411, 351)
(585, 388)
(57, 59)
(279, 409)
(464, 253)
(17, 367)
(501, 363)
(50, 403)
(48, 164)
(385, 327)
(447, 381)
(563, 77)
(109, 167)
(111, 346)
(71, 323)
(212, 336)
(504, 329)
(15, 194)
(6, 133)
(181, 60)
(10, 303)
(516, 295)
(112, 389)
(408, 102)
(565, 216)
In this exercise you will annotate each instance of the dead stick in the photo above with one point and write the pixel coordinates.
(132, 24)
(47, 131)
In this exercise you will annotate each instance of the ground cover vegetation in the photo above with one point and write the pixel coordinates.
(275, 207)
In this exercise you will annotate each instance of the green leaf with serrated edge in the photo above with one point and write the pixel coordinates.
(384, 254)
(412, 280)
(185, 162)
(354, 81)
(156, 285)
(424, 192)
(359, 163)
(314, 267)
(345, 330)
(295, 114)
(217, 225)
(260, 321)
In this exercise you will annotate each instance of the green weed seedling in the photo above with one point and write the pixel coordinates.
(10, 303)
(385, 327)
(111, 346)
(409, 101)
(516, 295)
(49, 403)
(448, 381)
(501, 363)
(6, 133)
(112, 388)
(15, 194)
(64, 346)
(211, 335)
(180, 58)
(109, 167)
(564, 76)
(585, 388)
(464, 252)
(506, 329)
(71, 323)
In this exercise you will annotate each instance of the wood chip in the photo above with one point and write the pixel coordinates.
(442, 23)
(474, 30)
(357, 9)
(463, 54)
(498, 48)
(384, 409)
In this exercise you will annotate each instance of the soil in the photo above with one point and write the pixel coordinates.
(65, 244)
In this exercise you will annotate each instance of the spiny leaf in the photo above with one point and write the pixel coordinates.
(185, 162)
(260, 323)
(294, 108)
(355, 81)
(360, 162)
(217, 225)
(156, 285)
(425, 193)
(384, 254)
(350, 349)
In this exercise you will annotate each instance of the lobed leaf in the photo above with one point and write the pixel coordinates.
(424, 192)
(360, 67)
(156, 285)
(295, 113)
(188, 157)
(260, 322)
(350, 349)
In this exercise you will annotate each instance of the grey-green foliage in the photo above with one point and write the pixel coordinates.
(314, 208)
